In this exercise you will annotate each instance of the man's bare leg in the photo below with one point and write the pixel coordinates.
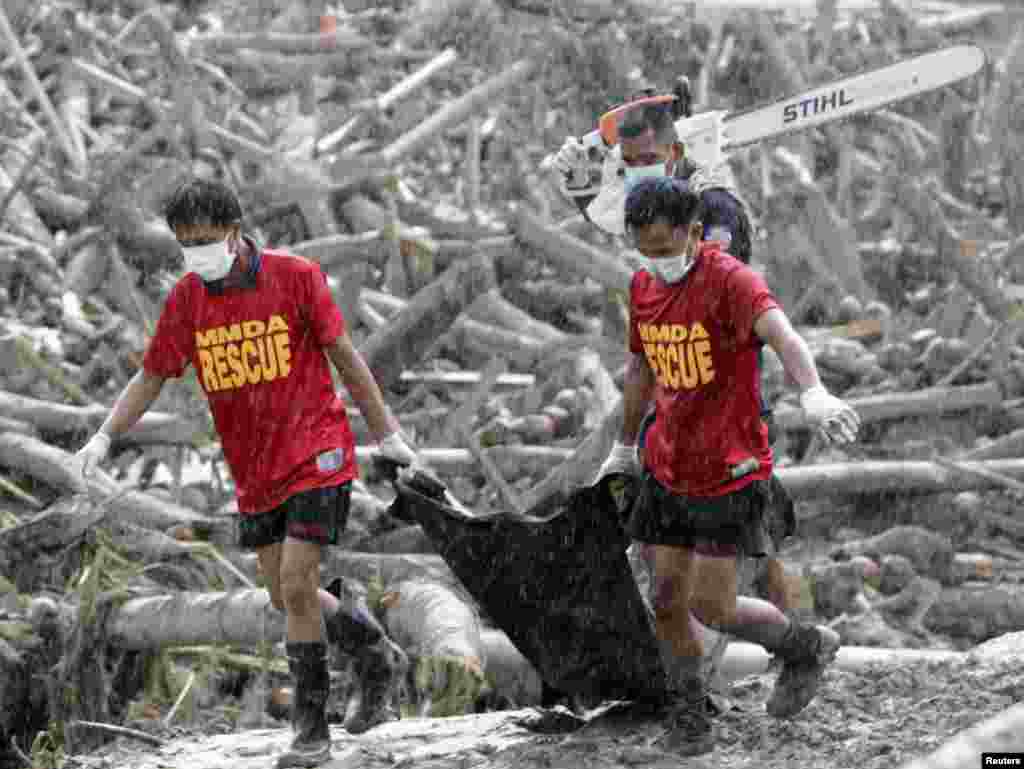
(690, 729)
(293, 573)
(805, 650)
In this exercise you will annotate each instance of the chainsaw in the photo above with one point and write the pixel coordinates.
(708, 136)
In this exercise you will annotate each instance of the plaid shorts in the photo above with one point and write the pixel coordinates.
(316, 515)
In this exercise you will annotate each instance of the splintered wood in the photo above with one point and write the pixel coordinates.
(400, 146)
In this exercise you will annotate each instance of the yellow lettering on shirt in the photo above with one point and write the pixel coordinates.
(679, 355)
(244, 354)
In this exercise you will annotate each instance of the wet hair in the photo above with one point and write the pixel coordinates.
(202, 202)
(663, 198)
(650, 117)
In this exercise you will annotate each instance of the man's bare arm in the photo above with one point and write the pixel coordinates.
(637, 391)
(362, 386)
(774, 328)
(134, 401)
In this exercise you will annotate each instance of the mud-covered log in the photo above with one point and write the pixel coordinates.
(494, 308)
(570, 253)
(1004, 447)
(480, 341)
(295, 44)
(869, 477)
(243, 617)
(20, 212)
(455, 111)
(578, 469)
(928, 551)
(426, 316)
(935, 401)
(427, 619)
(977, 613)
(155, 427)
(515, 683)
(999, 734)
(513, 673)
(59, 469)
(387, 568)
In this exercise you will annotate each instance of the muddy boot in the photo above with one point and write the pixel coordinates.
(689, 727)
(380, 669)
(380, 664)
(312, 744)
(805, 653)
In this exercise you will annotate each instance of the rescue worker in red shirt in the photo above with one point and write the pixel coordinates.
(649, 145)
(262, 330)
(698, 318)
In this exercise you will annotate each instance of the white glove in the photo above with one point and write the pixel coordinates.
(621, 459)
(395, 448)
(579, 171)
(93, 453)
(838, 420)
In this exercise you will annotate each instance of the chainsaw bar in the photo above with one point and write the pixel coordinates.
(853, 95)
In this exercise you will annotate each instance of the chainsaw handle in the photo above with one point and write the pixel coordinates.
(592, 140)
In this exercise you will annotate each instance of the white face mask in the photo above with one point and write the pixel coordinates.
(210, 262)
(668, 269)
(635, 173)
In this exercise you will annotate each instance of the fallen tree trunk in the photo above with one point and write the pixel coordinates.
(386, 568)
(570, 253)
(838, 479)
(456, 111)
(441, 631)
(465, 379)
(1004, 447)
(578, 469)
(427, 315)
(61, 419)
(317, 44)
(494, 308)
(478, 342)
(514, 682)
(930, 553)
(977, 613)
(929, 402)
(514, 461)
(58, 468)
(244, 617)
(1001, 734)
(515, 678)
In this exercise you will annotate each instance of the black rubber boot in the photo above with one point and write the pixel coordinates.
(805, 653)
(380, 664)
(690, 729)
(380, 669)
(312, 744)
(690, 725)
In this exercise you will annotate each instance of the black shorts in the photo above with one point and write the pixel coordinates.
(316, 515)
(730, 525)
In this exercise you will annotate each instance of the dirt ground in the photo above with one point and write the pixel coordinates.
(873, 719)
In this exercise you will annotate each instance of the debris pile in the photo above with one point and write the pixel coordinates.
(399, 145)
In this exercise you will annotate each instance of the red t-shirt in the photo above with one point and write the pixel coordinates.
(259, 356)
(698, 338)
